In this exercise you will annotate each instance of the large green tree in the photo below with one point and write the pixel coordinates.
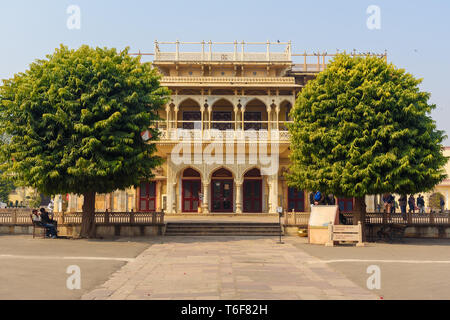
(75, 120)
(363, 127)
(6, 187)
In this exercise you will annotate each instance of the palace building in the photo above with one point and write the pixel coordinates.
(223, 136)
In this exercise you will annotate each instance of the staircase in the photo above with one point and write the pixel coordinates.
(222, 229)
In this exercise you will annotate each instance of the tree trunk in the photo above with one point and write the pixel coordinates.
(88, 218)
(360, 214)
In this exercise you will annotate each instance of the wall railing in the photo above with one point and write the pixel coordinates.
(378, 218)
(22, 217)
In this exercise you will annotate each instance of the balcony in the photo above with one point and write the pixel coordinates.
(175, 131)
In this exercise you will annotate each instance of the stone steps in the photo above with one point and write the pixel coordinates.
(222, 229)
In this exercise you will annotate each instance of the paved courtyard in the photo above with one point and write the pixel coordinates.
(221, 268)
(227, 268)
(36, 268)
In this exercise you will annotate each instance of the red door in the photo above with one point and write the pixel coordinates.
(147, 196)
(252, 195)
(190, 190)
(222, 195)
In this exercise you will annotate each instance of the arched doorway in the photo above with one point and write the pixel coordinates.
(253, 191)
(191, 186)
(222, 191)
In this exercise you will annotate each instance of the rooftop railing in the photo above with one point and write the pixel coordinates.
(239, 51)
(206, 53)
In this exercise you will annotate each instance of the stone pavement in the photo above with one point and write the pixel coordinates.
(226, 268)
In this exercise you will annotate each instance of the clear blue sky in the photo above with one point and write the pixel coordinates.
(415, 33)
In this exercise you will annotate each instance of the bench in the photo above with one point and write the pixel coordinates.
(37, 225)
(347, 233)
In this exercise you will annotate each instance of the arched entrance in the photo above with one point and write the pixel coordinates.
(253, 191)
(222, 191)
(191, 186)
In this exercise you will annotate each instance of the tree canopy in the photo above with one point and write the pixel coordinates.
(75, 121)
(6, 187)
(362, 127)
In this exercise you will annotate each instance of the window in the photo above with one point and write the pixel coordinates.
(221, 120)
(191, 116)
(296, 200)
(345, 204)
(252, 116)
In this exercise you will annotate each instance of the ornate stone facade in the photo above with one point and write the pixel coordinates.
(225, 111)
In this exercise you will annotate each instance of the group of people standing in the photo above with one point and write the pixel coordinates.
(317, 198)
(390, 204)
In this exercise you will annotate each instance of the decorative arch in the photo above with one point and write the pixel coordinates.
(254, 99)
(247, 170)
(181, 170)
(179, 100)
(184, 100)
(218, 99)
(214, 169)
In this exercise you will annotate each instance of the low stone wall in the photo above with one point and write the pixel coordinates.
(102, 231)
(417, 231)
(16, 229)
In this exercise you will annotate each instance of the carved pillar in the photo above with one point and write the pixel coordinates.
(158, 196)
(242, 117)
(202, 112)
(236, 110)
(277, 110)
(238, 197)
(175, 111)
(273, 193)
(269, 120)
(205, 202)
(167, 119)
(209, 117)
(170, 196)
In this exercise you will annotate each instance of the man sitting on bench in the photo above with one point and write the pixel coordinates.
(49, 224)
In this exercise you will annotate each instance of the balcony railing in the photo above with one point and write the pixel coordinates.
(210, 130)
(167, 80)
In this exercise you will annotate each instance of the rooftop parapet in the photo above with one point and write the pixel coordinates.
(206, 52)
